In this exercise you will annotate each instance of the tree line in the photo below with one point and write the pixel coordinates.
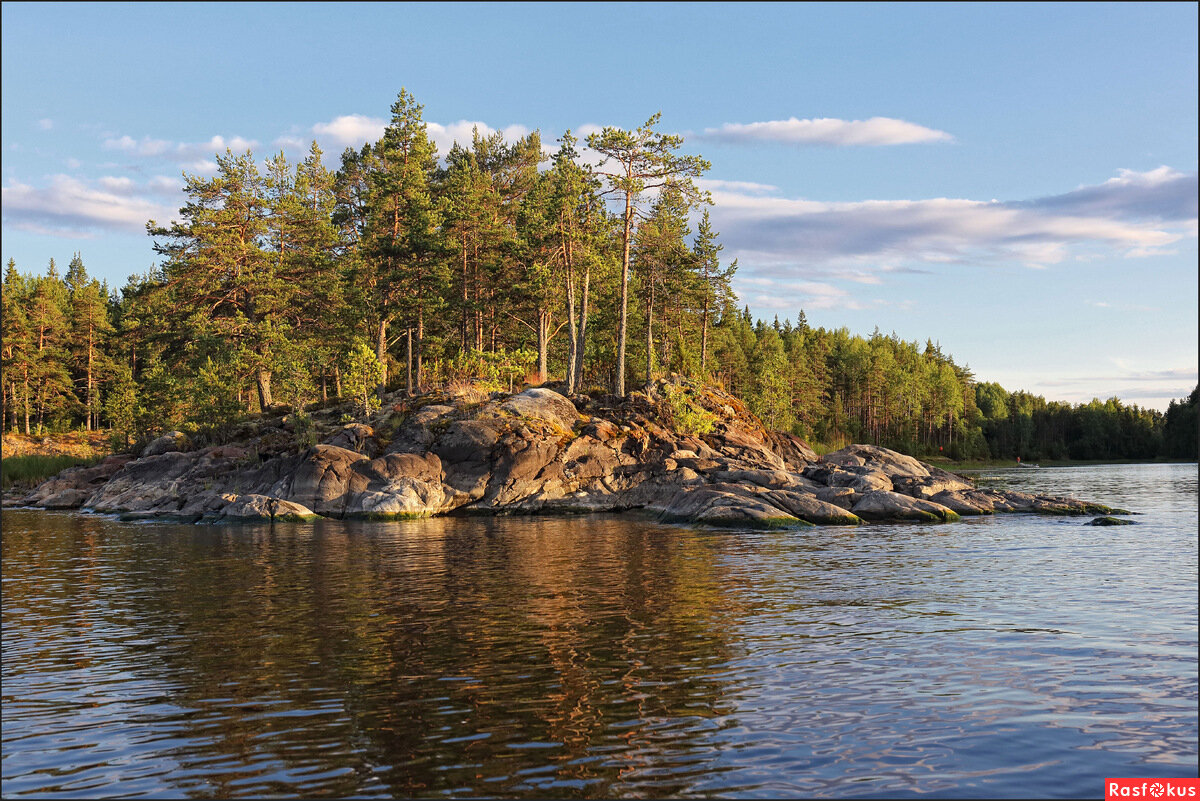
(287, 284)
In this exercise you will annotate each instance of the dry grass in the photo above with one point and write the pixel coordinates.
(76, 444)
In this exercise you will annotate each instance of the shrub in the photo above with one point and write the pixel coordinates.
(688, 416)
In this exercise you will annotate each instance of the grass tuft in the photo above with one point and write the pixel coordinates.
(33, 469)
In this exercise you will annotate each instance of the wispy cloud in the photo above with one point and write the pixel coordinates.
(874, 132)
(191, 155)
(73, 208)
(1136, 214)
(771, 294)
(1161, 194)
(1151, 388)
(745, 187)
(45, 124)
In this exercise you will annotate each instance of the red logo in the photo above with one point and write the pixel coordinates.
(1152, 789)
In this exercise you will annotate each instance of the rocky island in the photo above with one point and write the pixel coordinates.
(678, 450)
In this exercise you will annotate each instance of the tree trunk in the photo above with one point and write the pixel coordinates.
(650, 333)
(408, 382)
(581, 340)
(420, 343)
(90, 421)
(573, 337)
(262, 379)
(543, 340)
(25, 398)
(619, 379)
(465, 304)
(380, 354)
(572, 332)
(704, 337)
(478, 308)
(337, 381)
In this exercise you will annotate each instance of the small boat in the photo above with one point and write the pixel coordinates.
(1027, 464)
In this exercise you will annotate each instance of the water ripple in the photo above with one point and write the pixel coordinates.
(605, 657)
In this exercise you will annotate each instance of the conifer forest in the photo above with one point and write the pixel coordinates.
(501, 262)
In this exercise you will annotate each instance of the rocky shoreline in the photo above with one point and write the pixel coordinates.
(683, 452)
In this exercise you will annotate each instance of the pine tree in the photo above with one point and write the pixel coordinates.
(15, 349)
(402, 271)
(224, 282)
(636, 161)
(90, 329)
(714, 284)
(662, 258)
(49, 328)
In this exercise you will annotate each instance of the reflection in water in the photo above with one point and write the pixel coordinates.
(604, 656)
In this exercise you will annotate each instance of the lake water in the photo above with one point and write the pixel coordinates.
(606, 656)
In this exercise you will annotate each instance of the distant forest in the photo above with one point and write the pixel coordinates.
(293, 285)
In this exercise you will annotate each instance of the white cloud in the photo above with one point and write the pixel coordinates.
(787, 296)
(164, 185)
(290, 143)
(146, 146)
(444, 136)
(828, 131)
(354, 130)
(351, 130)
(121, 186)
(200, 167)
(71, 208)
(45, 124)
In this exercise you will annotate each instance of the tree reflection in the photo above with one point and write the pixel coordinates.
(492, 656)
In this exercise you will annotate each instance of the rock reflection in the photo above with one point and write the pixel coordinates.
(405, 657)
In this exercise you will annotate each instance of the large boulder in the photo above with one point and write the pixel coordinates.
(146, 484)
(545, 404)
(251, 508)
(353, 437)
(882, 505)
(465, 450)
(322, 479)
(73, 486)
(419, 431)
(886, 461)
(728, 505)
(809, 507)
(167, 443)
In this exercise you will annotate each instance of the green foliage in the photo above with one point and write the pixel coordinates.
(121, 406)
(363, 373)
(1180, 427)
(688, 416)
(305, 429)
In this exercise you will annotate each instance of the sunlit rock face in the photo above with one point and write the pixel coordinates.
(685, 452)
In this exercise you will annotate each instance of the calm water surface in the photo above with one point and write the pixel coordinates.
(1005, 656)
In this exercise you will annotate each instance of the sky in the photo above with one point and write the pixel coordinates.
(1017, 183)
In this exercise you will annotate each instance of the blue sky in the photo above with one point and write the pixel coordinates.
(1017, 182)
